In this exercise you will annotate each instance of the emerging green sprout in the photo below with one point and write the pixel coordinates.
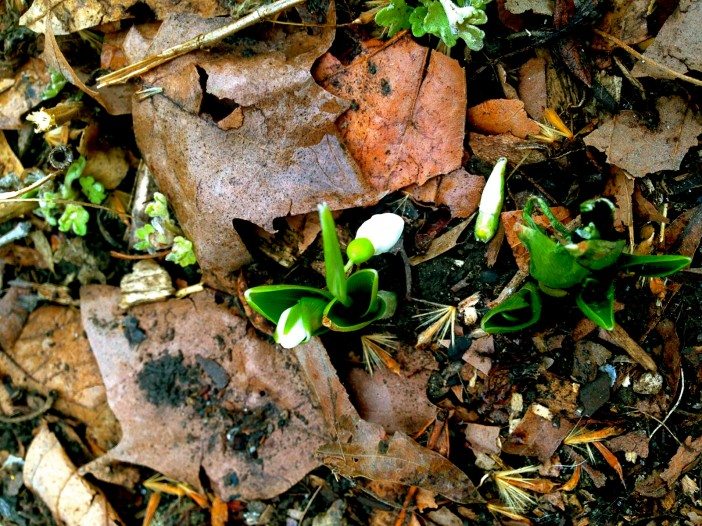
(441, 18)
(349, 302)
(74, 217)
(584, 260)
(56, 83)
(491, 203)
(162, 232)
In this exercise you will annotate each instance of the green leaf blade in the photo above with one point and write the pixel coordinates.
(333, 262)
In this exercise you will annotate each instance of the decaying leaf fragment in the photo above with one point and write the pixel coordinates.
(53, 354)
(407, 121)
(625, 136)
(51, 475)
(199, 395)
(459, 190)
(401, 460)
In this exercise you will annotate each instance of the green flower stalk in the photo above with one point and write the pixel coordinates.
(491, 203)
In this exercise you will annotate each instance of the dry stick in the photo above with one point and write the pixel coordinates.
(647, 61)
(50, 399)
(204, 39)
(6, 196)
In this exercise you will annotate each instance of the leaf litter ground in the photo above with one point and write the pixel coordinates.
(208, 401)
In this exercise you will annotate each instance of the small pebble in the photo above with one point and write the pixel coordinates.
(648, 384)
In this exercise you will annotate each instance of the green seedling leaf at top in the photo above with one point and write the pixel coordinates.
(366, 305)
(73, 173)
(182, 252)
(395, 16)
(596, 254)
(596, 301)
(654, 266)
(271, 300)
(597, 219)
(158, 207)
(93, 190)
(333, 262)
(521, 310)
(74, 219)
(56, 83)
(550, 263)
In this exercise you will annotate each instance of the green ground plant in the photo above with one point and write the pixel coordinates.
(351, 299)
(583, 262)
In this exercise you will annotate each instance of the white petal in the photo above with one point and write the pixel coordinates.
(295, 336)
(383, 230)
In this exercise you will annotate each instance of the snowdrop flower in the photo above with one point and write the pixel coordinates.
(289, 337)
(375, 236)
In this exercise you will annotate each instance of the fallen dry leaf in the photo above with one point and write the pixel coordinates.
(277, 162)
(198, 395)
(52, 354)
(407, 121)
(459, 190)
(478, 353)
(396, 402)
(633, 442)
(532, 87)
(73, 15)
(626, 20)
(29, 83)
(685, 458)
(512, 218)
(678, 44)
(115, 99)
(518, 151)
(397, 459)
(498, 116)
(623, 137)
(400, 459)
(441, 244)
(483, 439)
(51, 475)
(536, 436)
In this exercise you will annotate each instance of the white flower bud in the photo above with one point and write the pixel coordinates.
(382, 230)
(295, 335)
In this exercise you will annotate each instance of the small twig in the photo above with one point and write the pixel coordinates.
(645, 60)
(6, 196)
(204, 39)
(519, 277)
(122, 255)
(50, 399)
(672, 409)
(64, 202)
(304, 512)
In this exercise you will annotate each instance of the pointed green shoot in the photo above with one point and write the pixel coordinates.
(367, 306)
(333, 262)
(654, 266)
(491, 202)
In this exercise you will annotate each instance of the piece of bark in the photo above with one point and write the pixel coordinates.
(536, 436)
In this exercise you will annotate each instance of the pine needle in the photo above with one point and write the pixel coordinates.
(438, 322)
(376, 352)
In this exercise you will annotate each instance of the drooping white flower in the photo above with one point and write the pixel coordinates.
(295, 334)
(382, 230)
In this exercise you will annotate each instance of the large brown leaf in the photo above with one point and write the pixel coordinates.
(271, 150)
(198, 395)
(408, 118)
(632, 146)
